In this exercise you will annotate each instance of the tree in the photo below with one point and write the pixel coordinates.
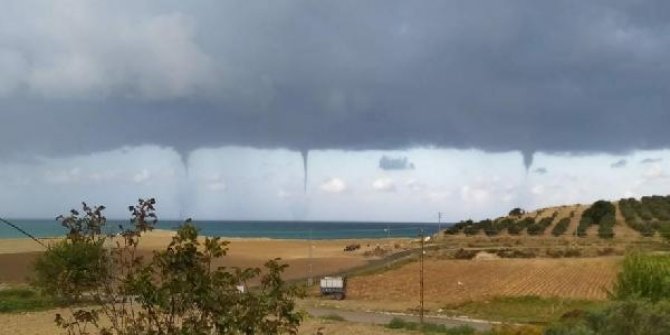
(77, 264)
(179, 290)
(517, 212)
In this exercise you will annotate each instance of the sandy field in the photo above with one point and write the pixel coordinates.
(42, 323)
(327, 256)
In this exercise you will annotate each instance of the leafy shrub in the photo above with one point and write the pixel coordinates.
(21, 299)
(517, 227)
(584, 223)
(430, 328)
(517, 212)
(465, 254)
(561, 227)
(179, 290)
(601, 213)
(77, 264)
(643, 276)
(621, 318)
(606, 225)
(539, 227)
(516, 253)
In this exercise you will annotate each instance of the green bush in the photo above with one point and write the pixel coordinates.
(23, 300)
(561, 227)
(519, 226)
(621, 318)
(71, 268)
(430, 328)
(643, 276)
(179, 290)
(601, 213)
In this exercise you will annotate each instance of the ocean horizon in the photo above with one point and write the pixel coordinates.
(318, 230)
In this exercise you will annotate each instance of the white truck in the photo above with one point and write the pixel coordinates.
(335, 287)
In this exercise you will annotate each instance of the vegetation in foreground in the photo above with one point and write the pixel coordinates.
(524, 309)
(24, 300)
(640, 303)
(431, 328)
(177, 291)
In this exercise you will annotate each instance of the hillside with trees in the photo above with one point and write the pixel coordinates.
(645, 217)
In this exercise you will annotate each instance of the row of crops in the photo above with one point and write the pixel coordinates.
(513, 226)
(647, 215)
(601, 213)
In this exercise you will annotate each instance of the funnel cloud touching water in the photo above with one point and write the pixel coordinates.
(521, 75)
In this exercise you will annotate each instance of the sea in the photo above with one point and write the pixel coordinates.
(317, 230)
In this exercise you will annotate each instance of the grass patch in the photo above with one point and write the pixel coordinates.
(525, 309)
(23, 300)
(429, 328)
(333, 317)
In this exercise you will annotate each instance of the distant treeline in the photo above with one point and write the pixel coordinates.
(648, 215)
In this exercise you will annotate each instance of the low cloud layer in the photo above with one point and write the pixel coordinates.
(400, 163)
(304, 75)
(619, 164)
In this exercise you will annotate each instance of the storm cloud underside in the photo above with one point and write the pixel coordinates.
(531, 76)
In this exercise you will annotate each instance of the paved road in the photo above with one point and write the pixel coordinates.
(386, 317)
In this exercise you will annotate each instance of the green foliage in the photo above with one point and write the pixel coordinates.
(68, 269)
(601, 213)
(561, 227)
(646, 215)
(179, 290)
(521, 309)
(539, 227)
(606, 225)
(621, 318)
(333, 317)
(430, 328)
(643, 276)
(516, 212)
(77, 264)
(518, 226)
(24, 300)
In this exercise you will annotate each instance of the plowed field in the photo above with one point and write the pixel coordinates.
(456, 281)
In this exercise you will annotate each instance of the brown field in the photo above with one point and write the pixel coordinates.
(449, 282)
(42, 323)
(327, 256)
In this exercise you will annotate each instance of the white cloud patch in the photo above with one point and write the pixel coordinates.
(334, 185)
(537, 190)
(474, 193)
(215, 183)
(142, 176)
(68, 176)
(384, 185)
(654, 172)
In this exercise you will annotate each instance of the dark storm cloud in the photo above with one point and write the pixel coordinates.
(395, 163)
(619, 164)
(569, 76)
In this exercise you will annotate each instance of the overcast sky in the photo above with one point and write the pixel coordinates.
(397, 109)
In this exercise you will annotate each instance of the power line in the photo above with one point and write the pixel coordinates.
(23, 232)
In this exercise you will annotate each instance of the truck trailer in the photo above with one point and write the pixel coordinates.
(334, 287)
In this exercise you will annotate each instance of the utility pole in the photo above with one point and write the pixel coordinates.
(421, 277)
(310, 279)
(439, 222)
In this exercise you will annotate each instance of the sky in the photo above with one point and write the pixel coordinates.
(347, 110)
